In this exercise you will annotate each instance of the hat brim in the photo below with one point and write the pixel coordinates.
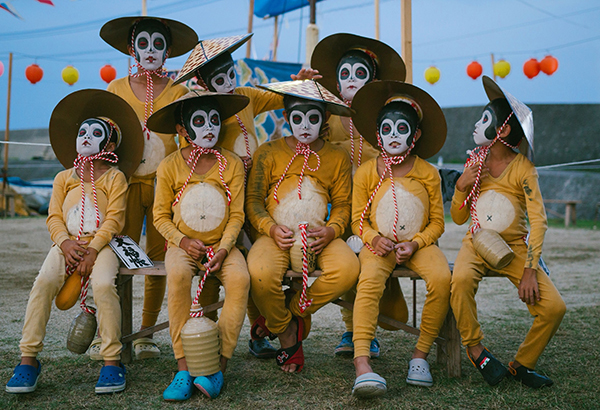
(116, 33)
(81, 105)
(188, 72)
(371, 98)
(328, 52)
(164, 120)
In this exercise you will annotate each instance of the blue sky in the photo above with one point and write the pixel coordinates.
(446, 33)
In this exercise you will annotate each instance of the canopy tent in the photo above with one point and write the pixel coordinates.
(272, 8)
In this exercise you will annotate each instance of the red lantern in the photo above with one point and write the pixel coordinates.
(474, 70)
(531, 68)
(34, 73)
(108, 73)
(549, 65)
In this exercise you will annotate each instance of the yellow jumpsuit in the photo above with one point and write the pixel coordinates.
(267, 263)
(202, 213)
(504, 204)
(63, 223)
(420, 219)
(140, 195)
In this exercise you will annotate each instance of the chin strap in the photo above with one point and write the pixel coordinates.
(196, 310)
(306, 151)
(360, 140)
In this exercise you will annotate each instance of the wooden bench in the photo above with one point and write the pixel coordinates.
(570, 214)
(448, 343)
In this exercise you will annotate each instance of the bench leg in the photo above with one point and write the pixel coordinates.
(125, 291)
(448, 354)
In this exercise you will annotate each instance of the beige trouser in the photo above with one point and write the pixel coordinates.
(431, 265)
(140, 200)
(47, 285)
(268, 264)
(236, 281)
(470, 268)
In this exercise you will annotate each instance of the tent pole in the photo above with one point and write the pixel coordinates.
(275, 35)
(312, 32)
(493, 62)
(144, 8)
(6, 137)
(376, 19)
(407, 39)
(250, 20)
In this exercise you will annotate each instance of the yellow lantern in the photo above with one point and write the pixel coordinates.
(432, 75)
(70, 75)
(502, 68)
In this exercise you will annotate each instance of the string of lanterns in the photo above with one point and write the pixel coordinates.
(69, 74)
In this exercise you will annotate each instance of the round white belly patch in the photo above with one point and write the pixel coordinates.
(239, 147)
(495, 211)
(154, 152)
(410, 214)
(312, 208)
(202, 207)
(89, 218)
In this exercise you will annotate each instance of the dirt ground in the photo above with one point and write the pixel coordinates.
(573, 256)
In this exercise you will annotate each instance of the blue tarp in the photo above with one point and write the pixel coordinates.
(272, 8)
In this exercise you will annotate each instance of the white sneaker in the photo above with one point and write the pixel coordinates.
(418, 373)
(369, 385)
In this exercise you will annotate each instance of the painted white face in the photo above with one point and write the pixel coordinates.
(92, 134)
(150, 49)
(484, 128)
(224, 81)
(351, 77)
(204, 128)
(395, 132)
(306, 123)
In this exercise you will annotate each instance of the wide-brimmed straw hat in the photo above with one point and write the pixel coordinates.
(312, 91)
(165, 119)
(372, 97)
(522, 112)
(117, 33)
(328, 52)
(206, 51)
(81, 105)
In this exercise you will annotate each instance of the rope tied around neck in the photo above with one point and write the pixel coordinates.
(196, 310)
(306, 152)
(247, 142)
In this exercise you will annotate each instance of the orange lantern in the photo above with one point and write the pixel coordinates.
(549, 65)
(108, 73)
(531, 68)
(70, 75)
(474, 70)
(34, 73)
(502, 68)
(432, 75)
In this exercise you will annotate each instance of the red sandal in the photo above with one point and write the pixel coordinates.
(293, 354)
(260, 323)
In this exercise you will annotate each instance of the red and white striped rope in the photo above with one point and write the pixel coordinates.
(247, 142)
(304, 303)
(210, 253)
(360, 145)
(304, 150)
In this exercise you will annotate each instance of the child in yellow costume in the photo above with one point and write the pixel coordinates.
(199, 209)
(499, 190)
(397, 210)
(292, 181)
(91, 130)
(347, 62)
(149, 41)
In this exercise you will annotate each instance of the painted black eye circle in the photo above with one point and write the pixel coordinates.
(232, 74)
(313, 119)
(81, 132)
(402, 128)
(386, 129)
(142, 43)
(344, 74)
(220, 81)
(296, 119)
(361, 73)
(159, 43)
(97, 133)
(198, 121)
(214, 119)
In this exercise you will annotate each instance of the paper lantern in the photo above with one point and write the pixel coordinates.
(108, 73)
(432, 75)
(70, 75)
(1, 68)
(549, 65)
(34, 73)
(531, 68)
(502, 68)
(474, 70)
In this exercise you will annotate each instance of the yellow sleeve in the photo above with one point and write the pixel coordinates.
(263, 100)
(115, 211)
(259, 181)
(164, 195)
(435, 227)
(459, 216)
(341, 190)
(55, 221)
(361, 191)
(537, 219)
(236, 207)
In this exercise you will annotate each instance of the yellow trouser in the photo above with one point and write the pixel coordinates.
(268, 264)
(470, 268)
(431, 265)
(140, 200)
(47, 285)
(236, 281)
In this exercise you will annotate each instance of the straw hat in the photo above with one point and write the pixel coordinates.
(310, 90)
(164, 120)
(371, 98)
(206, 51)
(116, 33)
(522, 112)
(81, 105)
(328, 52)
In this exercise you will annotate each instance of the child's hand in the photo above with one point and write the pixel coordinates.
(217, 261)
(73, 251)
(193, 247)
(325, 234)
(529, 291)
(382, 246)
(405, 250)
(282, 236)
(306, 74)
(469, 175)
(87, 264)
(248, 161)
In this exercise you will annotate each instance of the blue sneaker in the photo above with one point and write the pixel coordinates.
(111, 380)
(24, 378)
(210, 385)
(181, 388)
(374, 349)
(261, 348)
(346, 347)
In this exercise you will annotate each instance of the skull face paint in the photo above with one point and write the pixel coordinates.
(93, 137)
(220, 77)
(203, 123)
(305, 119)
(355, 69)
(151, 44)
(485, 128)
(397, 124)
